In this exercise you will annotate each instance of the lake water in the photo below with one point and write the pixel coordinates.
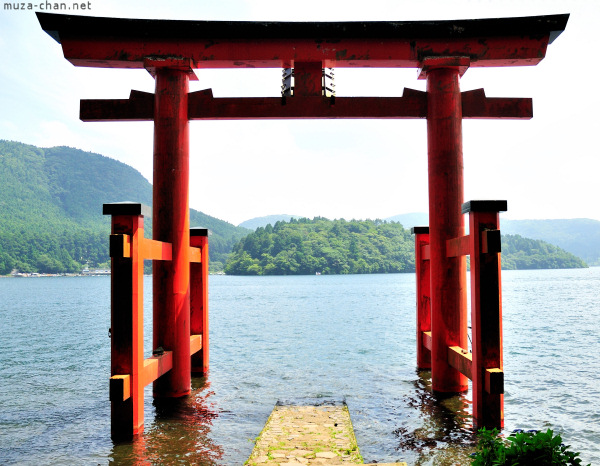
(308, 338)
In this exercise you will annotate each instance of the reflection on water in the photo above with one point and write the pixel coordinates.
(273, 338)
(178, 434)
(445, 435)
(179, 430)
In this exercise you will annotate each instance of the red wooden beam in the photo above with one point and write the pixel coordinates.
(195, 255)
(461, 360)
(157, 366)
(456, 247)
(126, 43)
(119, 388)
(426, 338)
(156, 250)
(154, 367)
(476, 105)
(195, 343)
(203, 106)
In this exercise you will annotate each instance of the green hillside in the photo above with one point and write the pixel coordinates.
(581, 236)
(526, 253)
(51, 209)
(340, 247)
(304, 246)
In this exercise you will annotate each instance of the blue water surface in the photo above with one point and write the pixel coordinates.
(296, 339)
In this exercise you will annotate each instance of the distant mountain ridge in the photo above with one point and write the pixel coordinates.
(51, 208)
(321, 246)
(579, 236)
(258, 222)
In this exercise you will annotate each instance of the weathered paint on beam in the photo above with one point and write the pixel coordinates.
(461, 360)
(456, 247)
(127, 43)
(476, 105)
(203, 106)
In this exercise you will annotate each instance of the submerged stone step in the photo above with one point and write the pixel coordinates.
(303, 435)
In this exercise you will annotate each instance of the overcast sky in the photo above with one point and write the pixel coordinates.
(546, 167)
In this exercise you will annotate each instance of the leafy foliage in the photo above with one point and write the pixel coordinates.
(523, 448)
(303, 246)
(51, 209)
(580, 236)
(306, 246)
(50, 221)
(526, 253)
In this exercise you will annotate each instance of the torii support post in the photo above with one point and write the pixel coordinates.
(445, 168)
(199, 299)
(126, 319)
(130, 372)
(483, 365)
(171, 280)
(423, 273)
(486, 312)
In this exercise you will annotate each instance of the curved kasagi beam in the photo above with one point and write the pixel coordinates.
(129, 43)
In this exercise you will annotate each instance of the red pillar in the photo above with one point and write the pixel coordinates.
(127, 319)
(171, 222)
(423, 278)
(448, 275)
(199, 299)
(486, 312)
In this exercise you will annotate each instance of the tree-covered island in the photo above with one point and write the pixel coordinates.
(321, 246)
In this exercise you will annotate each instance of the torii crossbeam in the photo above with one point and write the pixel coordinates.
(441, 50)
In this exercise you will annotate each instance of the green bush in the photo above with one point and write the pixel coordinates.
(522, 448)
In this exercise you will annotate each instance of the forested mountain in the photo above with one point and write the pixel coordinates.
(51, 209)
(526, 253)
(361, 246)
(325, 246)
(580, 236)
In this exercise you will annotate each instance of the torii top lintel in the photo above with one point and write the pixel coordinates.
(129, 43)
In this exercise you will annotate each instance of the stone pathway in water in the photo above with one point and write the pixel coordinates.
(301, 435)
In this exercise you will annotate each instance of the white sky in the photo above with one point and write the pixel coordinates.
(545, 167)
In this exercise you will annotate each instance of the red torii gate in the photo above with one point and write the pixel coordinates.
(441, 50)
